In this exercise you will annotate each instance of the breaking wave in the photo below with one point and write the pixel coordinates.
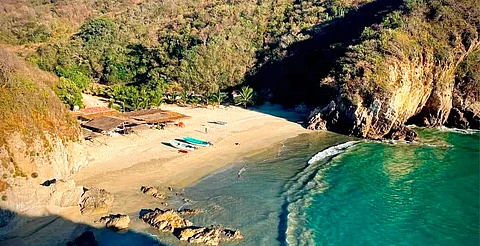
(299, 193)
(456, 130)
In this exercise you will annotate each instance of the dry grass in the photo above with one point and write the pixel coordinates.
(28, 104)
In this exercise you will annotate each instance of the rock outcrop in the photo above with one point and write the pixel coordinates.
(152, 191)
(212, 235)
(188, 211)
(419, 91)
(96, 201)
(115, 221)
(165, 220)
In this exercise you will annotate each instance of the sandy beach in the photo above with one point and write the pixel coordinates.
(123, 164)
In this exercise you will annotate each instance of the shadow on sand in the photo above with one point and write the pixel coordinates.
(52, 230)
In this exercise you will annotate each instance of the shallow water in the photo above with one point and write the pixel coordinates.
(367, 194)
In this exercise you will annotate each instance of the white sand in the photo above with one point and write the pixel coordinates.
(141, 158)
(123, 164)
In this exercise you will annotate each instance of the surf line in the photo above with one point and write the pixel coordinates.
(295, 200)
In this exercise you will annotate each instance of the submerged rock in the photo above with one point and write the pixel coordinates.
(212, 235)
(153, 192)
(96, 201)
(188, 211)
(86, 239)
(116, 221)
(165, 220)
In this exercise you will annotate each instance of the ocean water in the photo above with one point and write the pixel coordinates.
(328, 189)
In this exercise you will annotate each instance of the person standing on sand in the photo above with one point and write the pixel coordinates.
(206, 130)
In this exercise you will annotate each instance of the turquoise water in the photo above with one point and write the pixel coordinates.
(306, 192)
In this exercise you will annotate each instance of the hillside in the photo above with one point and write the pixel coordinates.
(37, 133)
(377, 64)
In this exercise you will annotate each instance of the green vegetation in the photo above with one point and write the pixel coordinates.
(147, 52)
(29, 106)
(4, 197)
(443, 30)
(467, 77)
(245, 97)
(166, 47)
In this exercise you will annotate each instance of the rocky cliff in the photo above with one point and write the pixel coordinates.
(403, 70)
(39, 139)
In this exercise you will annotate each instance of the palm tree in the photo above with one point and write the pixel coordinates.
(218, 98)
(156, 98)
(245, 97)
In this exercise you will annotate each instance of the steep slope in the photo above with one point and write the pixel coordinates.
(402, 70)
(39, 139)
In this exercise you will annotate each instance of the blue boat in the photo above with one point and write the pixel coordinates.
(195, 141)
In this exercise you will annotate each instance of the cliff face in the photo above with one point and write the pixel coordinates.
(399, 75)
(39, 139)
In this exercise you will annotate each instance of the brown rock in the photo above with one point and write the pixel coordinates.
(188, 211)
(65, 193)
(152, 191)
(115, 221)
(165, 220)
(212, 235)
(402, 133)
(96, 201)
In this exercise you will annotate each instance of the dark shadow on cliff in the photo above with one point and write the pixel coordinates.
(296, 78)
(54, 230)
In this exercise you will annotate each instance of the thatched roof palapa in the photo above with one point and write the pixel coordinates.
(97, 112)
(104, 123)
(152, 116)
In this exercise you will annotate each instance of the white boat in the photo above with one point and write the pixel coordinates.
(180, 145)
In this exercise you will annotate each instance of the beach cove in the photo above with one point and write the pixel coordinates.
(282, 184)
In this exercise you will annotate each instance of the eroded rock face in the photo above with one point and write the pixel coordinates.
(212, 235)
(96, 201)
(418, 91)
(165, 220)
(115, 221)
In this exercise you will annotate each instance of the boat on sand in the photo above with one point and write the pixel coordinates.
(196, 141)
(181, 146)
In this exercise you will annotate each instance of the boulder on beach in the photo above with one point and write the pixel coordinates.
(96, 201)
(64, 193)
(86, 239)
(152, 191)
(165, 220)
(212, 235)
(115, 221)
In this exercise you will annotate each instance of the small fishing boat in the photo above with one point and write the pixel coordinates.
(198, 142)
(181, 146)
(222, 123)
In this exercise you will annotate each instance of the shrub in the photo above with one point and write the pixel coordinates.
(69, 93)
(4, 198)
(34, 175)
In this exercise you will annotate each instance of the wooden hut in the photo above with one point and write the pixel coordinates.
(155, 116)
(107, 125)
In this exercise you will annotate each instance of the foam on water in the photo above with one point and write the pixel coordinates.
(300, 190)
(456, 130)
(332, 151)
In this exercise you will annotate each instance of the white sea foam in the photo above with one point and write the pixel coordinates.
(332, 151)
(462, 131)
(299, 194)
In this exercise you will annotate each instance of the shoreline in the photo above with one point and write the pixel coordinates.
(128, 162)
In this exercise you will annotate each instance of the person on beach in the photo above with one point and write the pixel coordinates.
(206, 130)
